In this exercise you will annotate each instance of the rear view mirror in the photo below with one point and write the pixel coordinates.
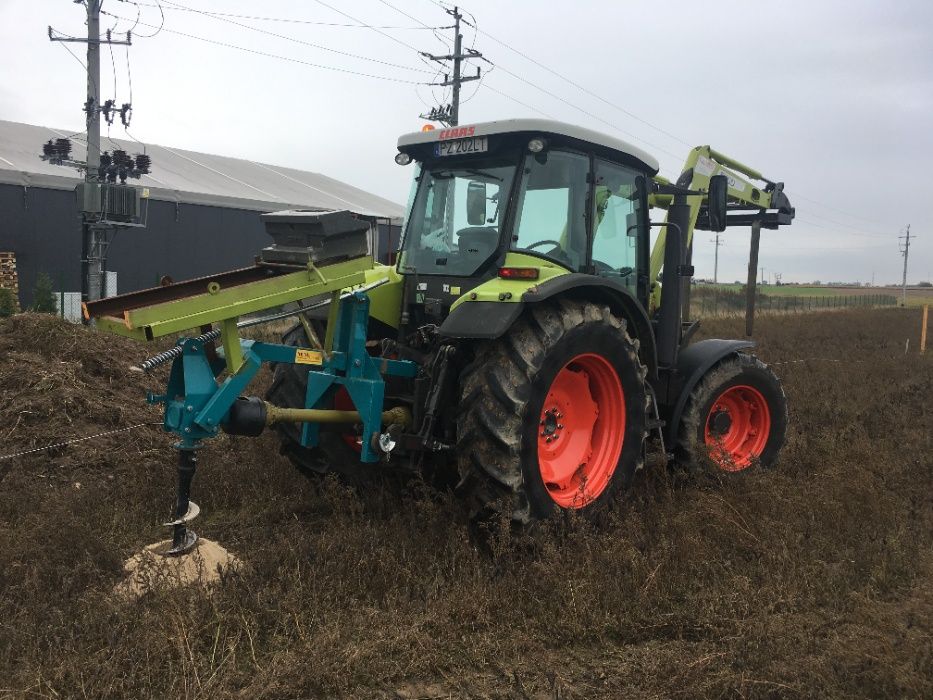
(716, 202)
(476, 203)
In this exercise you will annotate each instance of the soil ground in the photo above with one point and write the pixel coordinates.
(814, 579)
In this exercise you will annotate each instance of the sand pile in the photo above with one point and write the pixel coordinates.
(150, 569)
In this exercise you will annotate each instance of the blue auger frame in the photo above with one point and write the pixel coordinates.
(196, 406)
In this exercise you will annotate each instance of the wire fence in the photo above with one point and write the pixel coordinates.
(723, 302)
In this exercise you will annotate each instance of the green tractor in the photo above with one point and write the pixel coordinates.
(551, 364)
(521, 346)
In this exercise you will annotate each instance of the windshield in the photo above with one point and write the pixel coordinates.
(454, 222)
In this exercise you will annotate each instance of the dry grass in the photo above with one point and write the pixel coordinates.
(813, 580)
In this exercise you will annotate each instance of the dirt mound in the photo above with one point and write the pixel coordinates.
(150, 569)
(60, 381)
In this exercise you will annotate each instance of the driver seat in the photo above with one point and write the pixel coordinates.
(478, 240)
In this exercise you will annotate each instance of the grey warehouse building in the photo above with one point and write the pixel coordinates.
(202, 216)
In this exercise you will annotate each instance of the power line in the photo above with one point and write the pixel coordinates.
(129, 73)
(538, 87)
(285, 20)
(280, 57)
(797, 195)
(361, 23)
(579, 87)
(855, 232)
(302, 42)
(157, 29)
(580, 109)
(411, 17)
(625, 111)
(519, 102)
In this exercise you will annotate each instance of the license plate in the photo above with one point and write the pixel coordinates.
(477, 144)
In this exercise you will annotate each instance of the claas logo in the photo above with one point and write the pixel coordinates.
(456, 133)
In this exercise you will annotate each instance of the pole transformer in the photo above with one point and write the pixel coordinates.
(94, 239)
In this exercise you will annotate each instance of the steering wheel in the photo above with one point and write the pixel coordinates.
(546, 241)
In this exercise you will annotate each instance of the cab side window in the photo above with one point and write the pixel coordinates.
(551, 216)
(618, 218)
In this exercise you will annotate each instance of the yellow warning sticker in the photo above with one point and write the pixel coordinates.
(455, 291)
(308, 357)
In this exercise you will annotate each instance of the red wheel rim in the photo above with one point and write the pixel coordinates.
(581, 430)
(737, 427)
(343, 402)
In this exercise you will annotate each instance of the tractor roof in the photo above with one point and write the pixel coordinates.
(544, 127)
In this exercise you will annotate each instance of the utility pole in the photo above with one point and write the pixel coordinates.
(92, 256)
(716, 260)
(94, 224)
(450, 114)
(763, 280)
(905, 252)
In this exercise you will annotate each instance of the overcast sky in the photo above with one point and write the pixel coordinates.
(834, 98)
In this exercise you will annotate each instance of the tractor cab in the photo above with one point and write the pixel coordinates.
(555, 194)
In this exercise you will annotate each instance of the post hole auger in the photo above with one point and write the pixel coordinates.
(203, 393)
(520, 349)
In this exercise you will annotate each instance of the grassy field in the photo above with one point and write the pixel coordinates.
(814, 579)
(916, 296)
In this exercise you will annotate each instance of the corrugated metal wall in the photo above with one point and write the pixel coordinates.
(42, 227)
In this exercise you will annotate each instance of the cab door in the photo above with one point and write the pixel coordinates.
(619, 211)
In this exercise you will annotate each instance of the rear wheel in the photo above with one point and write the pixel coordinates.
(336, 453)
(736, 415)
(552, 415)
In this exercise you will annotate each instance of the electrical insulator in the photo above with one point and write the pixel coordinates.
(63, 148)
(108, 111)
(143, 163)
(105, 162)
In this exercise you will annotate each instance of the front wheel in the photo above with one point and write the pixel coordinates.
(552, 414)
(736, 415)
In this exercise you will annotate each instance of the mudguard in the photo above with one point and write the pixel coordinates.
(489, 320)
(693, 363)
(481, 319)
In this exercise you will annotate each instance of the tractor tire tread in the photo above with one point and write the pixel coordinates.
(495, 390)
(693, 451)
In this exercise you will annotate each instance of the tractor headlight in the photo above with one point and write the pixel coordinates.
(536, 145)
(402, 158)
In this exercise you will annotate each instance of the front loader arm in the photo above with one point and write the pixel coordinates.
(744, 195)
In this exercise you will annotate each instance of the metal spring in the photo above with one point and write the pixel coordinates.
(169, 355)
